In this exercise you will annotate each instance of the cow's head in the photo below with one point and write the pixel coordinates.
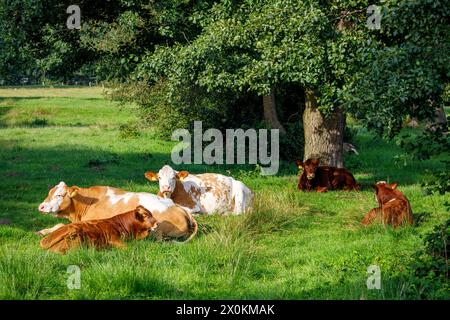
(59, 198)
(309, 166)
(167, 178)
(384, 191)
(147, 221)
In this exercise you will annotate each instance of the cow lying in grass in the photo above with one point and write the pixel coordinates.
(324, 178)
(203, 193)
(104, 233)
(102, 202)
(393, 207)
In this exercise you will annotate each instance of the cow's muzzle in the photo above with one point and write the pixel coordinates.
(155, 226)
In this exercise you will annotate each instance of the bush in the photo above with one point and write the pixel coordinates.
(425, 143)
(165, 111)
(429, 274)
(129, 130)
(440, 182)
(39, 122)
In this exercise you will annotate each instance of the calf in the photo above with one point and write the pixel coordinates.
(203, 193)
(104, 233)
(323, 178)
(101, 202)
(393, 207)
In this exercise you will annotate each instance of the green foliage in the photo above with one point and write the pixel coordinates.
(39, 122)
(101, 161)
(431, 267)
(403, 68)
(440, 182)
(35, 40)
(350, 134)
(423, 144)
(129, 130)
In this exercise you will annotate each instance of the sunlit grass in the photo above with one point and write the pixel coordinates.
(294, 245)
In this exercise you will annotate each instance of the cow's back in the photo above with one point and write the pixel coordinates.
(217, 192)
(102, 202)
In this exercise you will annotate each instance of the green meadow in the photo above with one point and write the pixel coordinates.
(292, 246)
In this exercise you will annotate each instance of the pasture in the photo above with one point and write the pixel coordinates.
(293, 246)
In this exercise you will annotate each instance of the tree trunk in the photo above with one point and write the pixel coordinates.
(323, 135)
(441, 118)
(270, 112)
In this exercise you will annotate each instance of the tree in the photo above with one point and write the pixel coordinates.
(325, 47)
(270, 112)
(403, 69)
(205, 58)
(36, 42)
(257, 46)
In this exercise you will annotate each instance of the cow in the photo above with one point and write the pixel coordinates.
(324, 178)
(104, 233)
(206, 193)
(393, 207)
(101, 202)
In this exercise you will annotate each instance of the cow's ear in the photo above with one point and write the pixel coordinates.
(139, 216)
(73, 191)
(142, 213)
(393, 186)
(151, 176)
(299, 164)
(182, 174)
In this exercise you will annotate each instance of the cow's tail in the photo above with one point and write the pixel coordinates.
(409, 213)
(194, 228)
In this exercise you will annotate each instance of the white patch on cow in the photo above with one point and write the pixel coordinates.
(115, 198)
(153, 203)
(209, 203)
(55, 202)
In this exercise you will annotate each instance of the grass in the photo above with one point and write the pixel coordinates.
(293, 246)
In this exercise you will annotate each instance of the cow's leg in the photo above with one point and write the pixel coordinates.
(250, 200)
(239, 201)
(44, 232)
(371, 216)
(117, 244)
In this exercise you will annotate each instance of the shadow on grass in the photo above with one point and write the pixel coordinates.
(3, 112)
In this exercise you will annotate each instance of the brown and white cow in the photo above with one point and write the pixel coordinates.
(102, 202)
(203, 193)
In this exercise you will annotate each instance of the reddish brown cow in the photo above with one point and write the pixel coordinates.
(393, 207)
(104, 233)
(324, 178)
